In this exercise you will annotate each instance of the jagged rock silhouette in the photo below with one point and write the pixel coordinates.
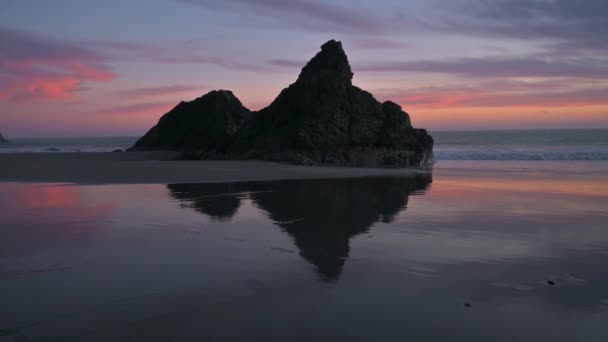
(321, 119)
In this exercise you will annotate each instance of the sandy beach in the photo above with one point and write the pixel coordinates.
(160, 167)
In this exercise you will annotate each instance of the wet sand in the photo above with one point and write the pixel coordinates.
(159, 167)
(475, 251)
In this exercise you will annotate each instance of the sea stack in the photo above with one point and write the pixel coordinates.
(321, 119)
(2, 139)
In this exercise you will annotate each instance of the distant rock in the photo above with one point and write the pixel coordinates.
(118, 150)
(206, 124)
(2, 139)
(321, 119)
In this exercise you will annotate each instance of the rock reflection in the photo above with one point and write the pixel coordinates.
(320, 215)
(220, 201)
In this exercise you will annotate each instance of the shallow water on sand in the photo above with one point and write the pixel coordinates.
(499, 256)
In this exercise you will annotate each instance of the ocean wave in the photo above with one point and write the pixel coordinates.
(521, 154)
(54, 145)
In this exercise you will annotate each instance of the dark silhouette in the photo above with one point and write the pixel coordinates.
(220, 201)
(320, 215)
(2, 139)
(320, 119)
(209, 122)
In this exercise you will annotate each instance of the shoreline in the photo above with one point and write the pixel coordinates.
(154, 167)
(161, 167)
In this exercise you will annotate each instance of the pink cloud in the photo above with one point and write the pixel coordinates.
(40, 68)
(56, 87)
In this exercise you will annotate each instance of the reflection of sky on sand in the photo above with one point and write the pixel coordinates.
(38, 216)
(485, 220)
(399, 256)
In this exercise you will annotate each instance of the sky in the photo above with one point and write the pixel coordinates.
(109, 68)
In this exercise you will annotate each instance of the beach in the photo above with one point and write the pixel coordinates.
(135, 251)
(165, 167)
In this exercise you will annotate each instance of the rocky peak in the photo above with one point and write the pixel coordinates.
(217, 97)
(208, 122)
(320, 119)
(331, 63)
(222, 94)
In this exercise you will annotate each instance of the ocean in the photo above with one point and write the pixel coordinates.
(82, 144)
(575, 144)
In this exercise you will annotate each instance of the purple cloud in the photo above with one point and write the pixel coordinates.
(377, 43)
(309, 14)
(567, 24)
(287, 63)
(137, 108)
(159, 91)
(502, 67)
(212, 60)
(170, 53)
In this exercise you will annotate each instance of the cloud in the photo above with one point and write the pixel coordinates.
(152, 108)
(507, 67)
(377, 43)
(309, 14)
(580, 23)
(287, 63)
(159, 91)
(563, 23)
(35, 67)
(542, 94)
(217, 61)
(170, 53)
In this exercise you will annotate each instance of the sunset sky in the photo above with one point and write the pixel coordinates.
(98, 68)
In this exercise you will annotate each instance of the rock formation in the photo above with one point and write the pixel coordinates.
(2, 139)
(209, 122)
(321, 119)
